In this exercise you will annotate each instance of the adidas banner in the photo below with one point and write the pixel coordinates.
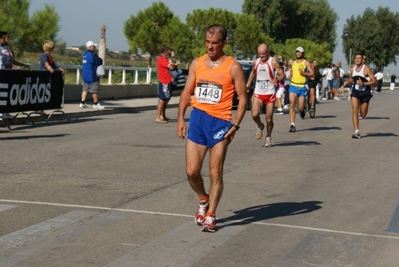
(30, 90)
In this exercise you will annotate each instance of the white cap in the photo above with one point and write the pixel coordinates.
(300, 49)
(90, 43)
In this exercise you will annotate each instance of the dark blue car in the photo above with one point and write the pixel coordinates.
(247, 68)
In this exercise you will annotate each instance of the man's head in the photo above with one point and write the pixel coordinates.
(215, 40)
(300, 52)
(339, 64)
(90, 45)
(164, 51)
(263, 53)
(359, 59)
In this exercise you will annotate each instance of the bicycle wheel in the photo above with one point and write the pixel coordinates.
(312, 111)
(307, 102)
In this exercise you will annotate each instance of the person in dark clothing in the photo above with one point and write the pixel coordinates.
(392, 85)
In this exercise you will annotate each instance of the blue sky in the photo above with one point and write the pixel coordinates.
(81, 19)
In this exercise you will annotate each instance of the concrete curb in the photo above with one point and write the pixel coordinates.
(36, 118)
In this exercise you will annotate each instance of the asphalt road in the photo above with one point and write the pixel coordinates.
(111, 190)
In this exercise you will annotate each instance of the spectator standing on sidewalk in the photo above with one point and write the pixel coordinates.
(341, 79)
(379, 75)
(324, 87)
(46, 61)
(336, 77)
(392, 85)
(328, 72)
(91, 82)
(7, 61)
(165, 81)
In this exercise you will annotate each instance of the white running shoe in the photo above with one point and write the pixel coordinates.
(98, 106)
(268, 142)
(201, 211)
(81, 105)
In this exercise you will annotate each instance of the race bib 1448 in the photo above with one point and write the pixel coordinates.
(208, 93)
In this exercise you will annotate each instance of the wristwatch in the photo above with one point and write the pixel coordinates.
(236, 126)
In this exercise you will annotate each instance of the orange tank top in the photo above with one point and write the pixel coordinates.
(214, 89)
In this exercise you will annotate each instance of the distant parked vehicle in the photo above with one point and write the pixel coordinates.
(180, 82)
(247, 68)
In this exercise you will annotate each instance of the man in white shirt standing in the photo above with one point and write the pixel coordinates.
(328, 72)
(341, 78)
(379, 75)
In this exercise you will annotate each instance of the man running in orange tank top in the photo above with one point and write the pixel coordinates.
(213, 78)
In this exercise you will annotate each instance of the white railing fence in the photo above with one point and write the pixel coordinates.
(109, 70)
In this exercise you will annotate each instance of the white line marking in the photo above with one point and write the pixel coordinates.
(190, 216)
(179, 247)
(37, 239)
(32, 232)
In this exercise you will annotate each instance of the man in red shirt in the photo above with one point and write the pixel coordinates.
(164, 84)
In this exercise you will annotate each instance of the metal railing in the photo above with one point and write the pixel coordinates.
(109, 73)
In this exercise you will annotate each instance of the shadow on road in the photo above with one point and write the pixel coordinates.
(325, 117)
(297, 143)
(377, 118)
(379, 135)
(322, 129)
(269, 211)
(32, 137)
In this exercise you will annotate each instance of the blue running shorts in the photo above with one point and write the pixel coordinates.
(206, 130)
(300, 91)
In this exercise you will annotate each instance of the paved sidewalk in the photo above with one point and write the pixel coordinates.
(72, 110)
